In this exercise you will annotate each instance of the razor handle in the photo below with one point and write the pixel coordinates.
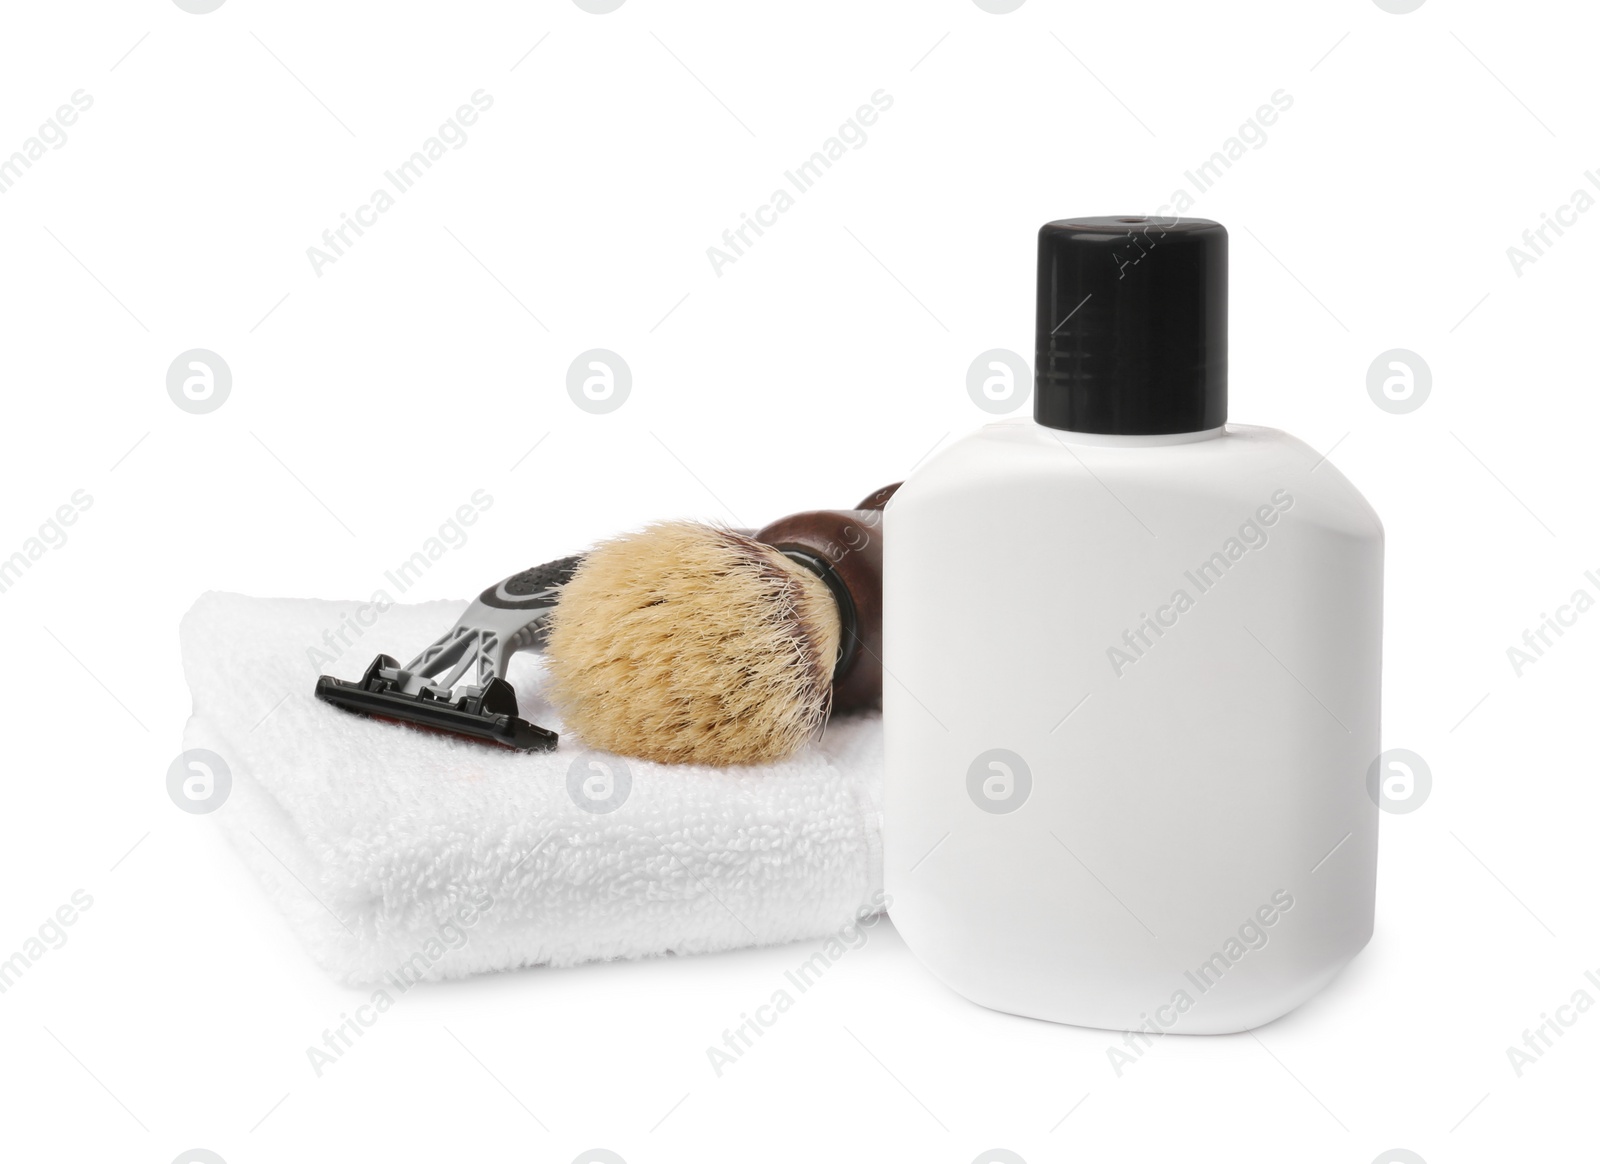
(457, 684)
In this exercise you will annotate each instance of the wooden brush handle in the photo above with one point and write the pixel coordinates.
(879, 499)
(845, 546)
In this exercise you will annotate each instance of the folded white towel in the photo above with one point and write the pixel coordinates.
(397, 852)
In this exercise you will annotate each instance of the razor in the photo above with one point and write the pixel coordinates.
(458, 683)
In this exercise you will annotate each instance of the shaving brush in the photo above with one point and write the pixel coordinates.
(687, 643)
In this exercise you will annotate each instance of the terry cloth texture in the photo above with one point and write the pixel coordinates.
(397, 851)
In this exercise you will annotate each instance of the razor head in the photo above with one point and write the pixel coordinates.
(487, 713)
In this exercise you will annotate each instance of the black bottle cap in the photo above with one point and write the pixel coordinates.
(1132, 332)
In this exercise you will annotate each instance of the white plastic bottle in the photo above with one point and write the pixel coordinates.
(1133, 659)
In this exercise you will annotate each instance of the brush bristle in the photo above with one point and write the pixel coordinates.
(689, 644)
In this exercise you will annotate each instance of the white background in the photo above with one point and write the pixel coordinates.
(370, 401)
